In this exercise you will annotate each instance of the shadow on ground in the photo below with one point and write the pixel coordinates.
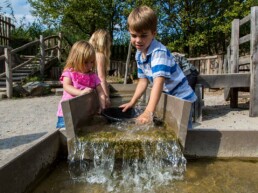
(15, 141)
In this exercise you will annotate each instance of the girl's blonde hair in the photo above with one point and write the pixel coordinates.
(101, 41)
(81, 52)
(142, 18)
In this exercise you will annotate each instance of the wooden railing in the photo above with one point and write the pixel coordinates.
(236, 62)
(44, 52)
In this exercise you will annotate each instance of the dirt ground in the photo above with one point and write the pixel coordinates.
(39, 113)
(217, 113)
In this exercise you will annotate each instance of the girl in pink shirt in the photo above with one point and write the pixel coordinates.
(78, 77)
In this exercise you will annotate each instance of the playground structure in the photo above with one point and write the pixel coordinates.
(229, 76)
(49, 50)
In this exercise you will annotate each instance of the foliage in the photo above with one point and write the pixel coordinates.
(195, 27)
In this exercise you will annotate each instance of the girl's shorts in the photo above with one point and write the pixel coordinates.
(60, 122)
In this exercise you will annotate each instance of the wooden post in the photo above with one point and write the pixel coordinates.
(228, 59)
(235, 60)
(127, 61)
(42, 56)
(59, 45)
(220, 64)
(198, 104)
(253, 109)
(8, 30)
(208, 63)
(8, 71)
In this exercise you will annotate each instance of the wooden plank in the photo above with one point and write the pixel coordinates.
(243, 60)
(253, 110)
(224, 80)
(245, 20)
(235, 61)
(235, 45)
(202, 58)
(245, 39)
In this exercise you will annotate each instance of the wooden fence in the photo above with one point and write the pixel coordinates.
(234, 78)
(209, 64)
(44, 53)
(245, 63)
(5, 30)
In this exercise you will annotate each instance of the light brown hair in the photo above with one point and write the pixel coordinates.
(80, 53)
(101, 41)
(142, 18)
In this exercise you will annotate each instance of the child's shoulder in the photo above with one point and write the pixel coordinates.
(157, 46)
(69, 70)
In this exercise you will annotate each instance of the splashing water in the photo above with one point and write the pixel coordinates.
(127, 158)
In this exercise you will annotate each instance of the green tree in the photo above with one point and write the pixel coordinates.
(194, 27)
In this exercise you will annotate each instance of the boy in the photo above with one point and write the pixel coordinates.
(155, 64)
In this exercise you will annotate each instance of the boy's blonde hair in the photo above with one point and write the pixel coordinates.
(101, 41)
(142, 18)
(80, 53)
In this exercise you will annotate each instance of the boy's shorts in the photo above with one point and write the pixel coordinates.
(60, 122)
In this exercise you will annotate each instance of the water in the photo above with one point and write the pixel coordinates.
(201, 176)
(124, 157)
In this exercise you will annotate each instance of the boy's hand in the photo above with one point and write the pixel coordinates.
(145, 117)
(126, 106)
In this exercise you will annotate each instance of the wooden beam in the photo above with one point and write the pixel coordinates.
(235, 56)
(243, 60)
(224, 80)
(253, 112)
(244, 20)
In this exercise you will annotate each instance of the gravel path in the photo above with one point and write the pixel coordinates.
(24, 122)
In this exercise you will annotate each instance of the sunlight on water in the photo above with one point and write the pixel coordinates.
(127, 158)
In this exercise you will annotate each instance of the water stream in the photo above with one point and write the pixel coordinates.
(126, 157)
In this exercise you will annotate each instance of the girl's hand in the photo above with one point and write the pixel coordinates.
(86, 91)
(108, 102)
(145, 117)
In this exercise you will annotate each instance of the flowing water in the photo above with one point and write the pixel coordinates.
(123, 157)
(201, 176)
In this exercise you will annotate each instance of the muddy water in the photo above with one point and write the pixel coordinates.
(201, 176)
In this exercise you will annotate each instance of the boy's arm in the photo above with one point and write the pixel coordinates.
(156, 90)
(155, 93)
(141, 87)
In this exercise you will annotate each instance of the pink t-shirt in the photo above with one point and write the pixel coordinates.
(79, 81)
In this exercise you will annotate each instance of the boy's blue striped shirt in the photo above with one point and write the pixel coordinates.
(160, 62)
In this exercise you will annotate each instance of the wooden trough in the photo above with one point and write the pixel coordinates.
(80, 110)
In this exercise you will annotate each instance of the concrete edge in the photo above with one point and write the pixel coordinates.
(212, 143)
(20, 173)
